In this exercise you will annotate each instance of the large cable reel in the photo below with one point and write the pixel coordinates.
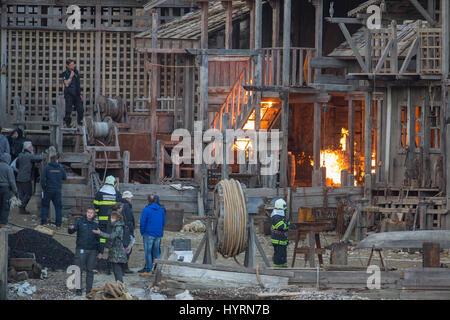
(231, 218)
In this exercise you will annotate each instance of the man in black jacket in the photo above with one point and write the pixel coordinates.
(128, 219)
(51, 183)
(7, 184)
(72, 93)
(25, 166)
(88, 247)
(16, 140)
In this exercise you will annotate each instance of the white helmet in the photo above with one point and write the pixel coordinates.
(110, 180)
(127, 195)
(280, 204)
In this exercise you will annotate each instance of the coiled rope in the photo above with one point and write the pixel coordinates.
(234, 239)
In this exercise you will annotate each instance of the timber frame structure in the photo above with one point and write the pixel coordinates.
(225, 66)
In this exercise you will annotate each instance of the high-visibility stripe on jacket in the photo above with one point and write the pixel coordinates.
(279, 228)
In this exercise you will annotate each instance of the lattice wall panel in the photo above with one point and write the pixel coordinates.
(36, 59)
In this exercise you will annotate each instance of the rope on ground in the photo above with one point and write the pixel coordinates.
(235, 219)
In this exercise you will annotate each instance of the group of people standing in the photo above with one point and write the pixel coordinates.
(17, 172)
(116, 231)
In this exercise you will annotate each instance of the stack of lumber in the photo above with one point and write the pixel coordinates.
(118, 291)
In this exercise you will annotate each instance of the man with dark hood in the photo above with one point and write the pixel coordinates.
(25, 166)
(7, 184)
(16, 140)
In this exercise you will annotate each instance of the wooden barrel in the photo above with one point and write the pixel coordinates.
(174, 220)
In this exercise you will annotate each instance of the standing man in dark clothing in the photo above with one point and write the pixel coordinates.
(4, 144)
(280, 227)
(16, 140)
(7, 184)
(25, 166)
(88, 247)
(128, 219)
(51, 182)
(72, 93)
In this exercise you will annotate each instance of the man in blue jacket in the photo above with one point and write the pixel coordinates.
(153, 219)
(51, 183)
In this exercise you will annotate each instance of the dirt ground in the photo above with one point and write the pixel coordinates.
(54, 287)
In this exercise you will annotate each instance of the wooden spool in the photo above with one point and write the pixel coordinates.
(111, 107)
(219, 214)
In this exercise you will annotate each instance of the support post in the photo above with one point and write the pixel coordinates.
(285, 95)
(3, 66)
(250, 4)
(387, 158)
(154, 93)
(275, 22)
(3, 264)
(228, 24)
(316, 145)
(225, 168)
(431, 255)
(98, 52)
(445, 17)
(351, 135)
(318, 32)
(368, 145)
(203, 114)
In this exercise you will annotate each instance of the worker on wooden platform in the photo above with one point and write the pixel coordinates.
(26, 171)
(105, 198)
(87, 248)
(51, 183)
(72, 93)
(7, 184)
(128, 219)
(153, 219)
(117, 256)
(280, 226)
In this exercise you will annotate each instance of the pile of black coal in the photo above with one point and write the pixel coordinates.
(48, 252)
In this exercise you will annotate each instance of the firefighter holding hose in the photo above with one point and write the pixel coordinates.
(280, 226)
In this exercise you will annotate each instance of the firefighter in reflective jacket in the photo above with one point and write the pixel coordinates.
(105, 198)
(280, 226)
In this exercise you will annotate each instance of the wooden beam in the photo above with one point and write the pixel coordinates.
(394, 64)
(3, 264)
(223, 52)
(276, 9)
(411, 53)
(318, 31)
(423, 12)
(225, 168)
(228, 24)
(344, 20)
(384, 56)
(352, 44)
(328, 62)
(3, 65)
(445, 16)
(155, 73)
(368, 132)
(316, 143)
(251, 5)
(351, 135)
(387, 159)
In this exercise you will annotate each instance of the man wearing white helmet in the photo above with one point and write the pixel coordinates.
(280, 226)
(105, 198)
(128, 219)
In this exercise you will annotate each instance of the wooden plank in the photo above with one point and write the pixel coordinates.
(411, 52)
(3, 264)
(424, 12)
(316, 143)
(431, 255)
(318, 30)
(352, 44)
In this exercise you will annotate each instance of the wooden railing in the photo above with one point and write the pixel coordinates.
(430, 51)
(239, 101)
(301, 71)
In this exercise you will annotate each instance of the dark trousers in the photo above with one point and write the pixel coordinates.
(279, 255)
(55, 197)
(86, 262)
(73, 101)
(25, 193)
(118, 271)
(4, 204)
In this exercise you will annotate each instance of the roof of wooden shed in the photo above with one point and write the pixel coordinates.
(188, 27)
